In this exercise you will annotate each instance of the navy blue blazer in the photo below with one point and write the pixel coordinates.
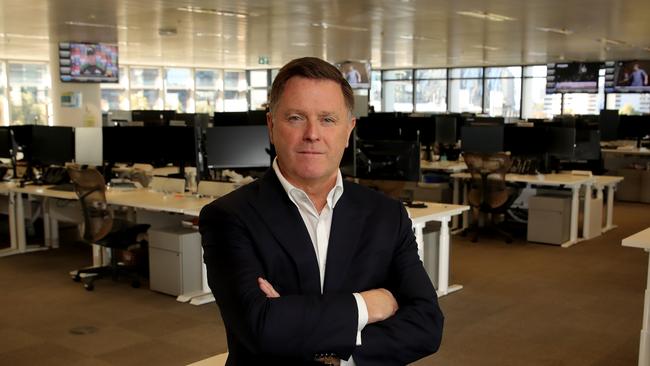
(256, 231)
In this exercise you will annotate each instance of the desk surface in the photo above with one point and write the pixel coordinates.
(638, 240)
(446, 166)
(434, 211)
(627, 151)
(606, 180)
(540, 179)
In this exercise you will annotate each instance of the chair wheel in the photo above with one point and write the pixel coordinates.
(89, 286)
(135, 284)
(76, 278)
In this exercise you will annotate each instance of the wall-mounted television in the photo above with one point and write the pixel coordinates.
(88, 62)
(572, 77)
(357, 73)
(628, 76)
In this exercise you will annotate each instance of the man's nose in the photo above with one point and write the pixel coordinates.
(312, 130)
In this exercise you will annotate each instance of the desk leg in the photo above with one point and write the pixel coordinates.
(575, 207)
(586, 226)
(20, 223)
(644, 344)
(455, 200)
(443, 260)
(465, 202)
(13, 234)
(204, 296)
(419, 239)
(610, 209)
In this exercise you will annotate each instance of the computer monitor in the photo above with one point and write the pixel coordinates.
(561, 142)
(88, 146)
(608, 123)
(587, 145)
(257, 117)
(391, 126)
(158, 146)
(486, 120)
(237, 147)
(388, 160)
(153, 117)
(231, 119)
(446, 129)
(486, 139)
(52, 145)
(5, 143)
(525, 141)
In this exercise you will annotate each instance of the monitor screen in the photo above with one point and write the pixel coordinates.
(628, 77)
(608, 123)
(5, 142)
(231, 119)
(561, 142)
(574, 77)
(238, 147)
(153, 117)
(486, 139)
(525, 141)
(156, 145)
(446, 130)
(88, 146)
(388, 160)
(88, 62)
(52, 145)
(587, 145)
(357, 73)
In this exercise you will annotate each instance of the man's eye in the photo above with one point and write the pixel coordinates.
(295, 118)
(329, 120)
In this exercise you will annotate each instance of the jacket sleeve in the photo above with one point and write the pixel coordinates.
(415, 331)
(292, 326)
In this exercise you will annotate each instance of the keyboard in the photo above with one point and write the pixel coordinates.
(65, 187)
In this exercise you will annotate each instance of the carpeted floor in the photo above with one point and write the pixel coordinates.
(522, 304)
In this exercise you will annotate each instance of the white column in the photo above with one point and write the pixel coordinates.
(644, 344)
(443, 257)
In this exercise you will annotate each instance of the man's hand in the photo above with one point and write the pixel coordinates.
(267, 288)
(381, 304)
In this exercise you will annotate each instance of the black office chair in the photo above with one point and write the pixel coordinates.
(488, 192)
(101, 228)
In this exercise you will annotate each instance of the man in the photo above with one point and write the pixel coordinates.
(309, 269)
(638, 77)
(352, 75)
(89, 66)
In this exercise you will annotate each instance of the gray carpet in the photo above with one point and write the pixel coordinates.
(522, 304)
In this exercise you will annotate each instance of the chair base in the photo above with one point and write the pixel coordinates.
(87, 276)
(490, 227)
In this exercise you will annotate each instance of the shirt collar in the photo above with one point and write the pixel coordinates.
(332, 197)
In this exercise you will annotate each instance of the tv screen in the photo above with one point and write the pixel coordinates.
(357, 73)
(88, 62)
(631, 77)
(574, 77)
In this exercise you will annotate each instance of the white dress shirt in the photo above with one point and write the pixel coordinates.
(318, 226)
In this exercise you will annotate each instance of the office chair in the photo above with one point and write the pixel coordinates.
(101, 228)
(489, 196)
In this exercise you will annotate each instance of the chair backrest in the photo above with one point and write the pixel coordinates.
(495, 166)
(91, 190)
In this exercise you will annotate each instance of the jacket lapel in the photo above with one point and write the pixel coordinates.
(286, 224)
(347, 226)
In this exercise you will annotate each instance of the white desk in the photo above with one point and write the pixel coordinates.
(443, 166)
(14, 246)
(642, 240)
(442, 213)
(573, 182)
(628, 151)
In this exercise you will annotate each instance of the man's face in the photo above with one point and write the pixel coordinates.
(310, 128)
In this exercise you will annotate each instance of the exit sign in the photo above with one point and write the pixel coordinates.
(263, 60)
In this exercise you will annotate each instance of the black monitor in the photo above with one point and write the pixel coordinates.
(238, 147)
(158, 146)
(390, 127)
(388, 160)
(525, 141)
(486, 139)
(257, 117)
(608, 123)
(52, 145)
(587, 144)
(561, 142)
(231, 119)
(5, 143)
(485, 120)
(446, 129)
(153, 117)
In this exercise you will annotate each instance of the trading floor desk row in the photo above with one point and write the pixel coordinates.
(161, 209)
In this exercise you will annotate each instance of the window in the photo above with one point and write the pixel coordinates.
(115, 96)
(398, 90)
(503, 91)
(209, 91)
(466, 90)
(235, 90)
(534, 92)
(28, 93)
(146, 85)
(178, 90)
(431, 90)
(4, 105)
(259, 88)
(375, 90)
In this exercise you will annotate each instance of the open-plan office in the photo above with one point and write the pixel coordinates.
(516, 134)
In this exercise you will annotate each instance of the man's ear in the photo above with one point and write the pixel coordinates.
(353, 123)
(269, 125)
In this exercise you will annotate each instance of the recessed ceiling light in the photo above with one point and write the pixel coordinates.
(418, 38)
(25, 36)
(199, 10)
(301, 44)
(611, 41)
(563, 31)
(97, 25)
(485, 15)
(484, 47)
(325, 25)
(540, 54)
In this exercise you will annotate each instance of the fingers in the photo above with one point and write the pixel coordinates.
(267, 288)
